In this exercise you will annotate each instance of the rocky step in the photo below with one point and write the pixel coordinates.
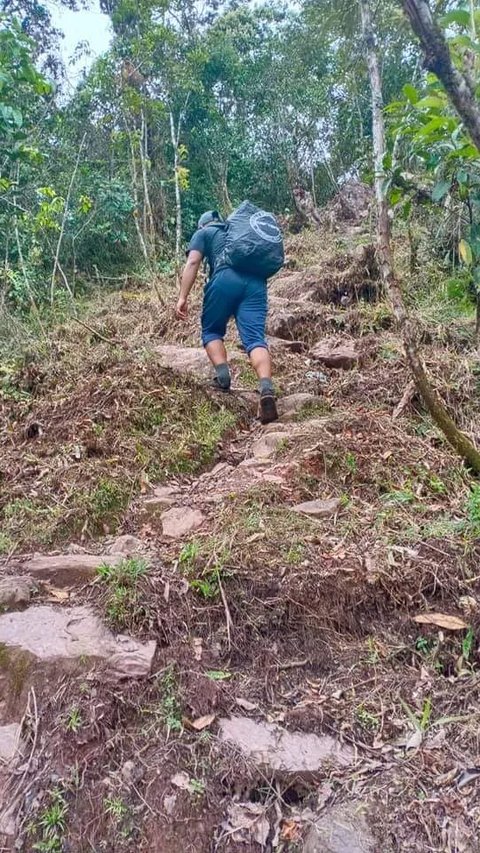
(47, 634)
(274, 749)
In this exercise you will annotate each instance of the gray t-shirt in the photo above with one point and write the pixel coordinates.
(210, 241)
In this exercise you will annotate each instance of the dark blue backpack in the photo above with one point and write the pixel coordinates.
(254, 242)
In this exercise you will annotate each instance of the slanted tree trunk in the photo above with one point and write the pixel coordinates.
(438, 59)
(433, 403)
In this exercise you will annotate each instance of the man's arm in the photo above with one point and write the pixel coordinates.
(189, 275)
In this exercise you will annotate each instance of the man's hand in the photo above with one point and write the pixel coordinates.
(188, 278)
(182, 308)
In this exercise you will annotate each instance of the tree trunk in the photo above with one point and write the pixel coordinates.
(149, 222)
(175, 137)
(136, 212)
(56, 260)
(438, 59)
(433, 403)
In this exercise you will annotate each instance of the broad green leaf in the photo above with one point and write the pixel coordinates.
(395, 196)
(440, 190)
(465, 252)
(411, 93)
(457, 16)
(430, 102)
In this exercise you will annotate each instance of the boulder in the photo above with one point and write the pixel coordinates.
(50, 634)
(339, 356)
(275, 749)
(16, 590)
(67, 569)
(180, 521)
(319, 509)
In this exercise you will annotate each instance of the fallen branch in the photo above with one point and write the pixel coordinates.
(97, 333)
(405, 400)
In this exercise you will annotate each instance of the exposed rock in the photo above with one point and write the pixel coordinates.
(16, 590)
(341, 828)
(126, 545)
(290, 406)
(185, 360)
(181, 520)
(50, 634)
(319, 509)
(162, 498)
(10, 743)
(68, 569)
(281, 345)
(286, 318)
(276, 749)
(353, 202)
(340, 356)
(227, 479)
(268, 444)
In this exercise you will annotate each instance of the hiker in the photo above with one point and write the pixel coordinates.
(228, 293)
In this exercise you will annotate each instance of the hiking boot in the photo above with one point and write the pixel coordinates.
(268, 408)
(218, 387)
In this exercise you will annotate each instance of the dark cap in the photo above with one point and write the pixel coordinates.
(209, 216)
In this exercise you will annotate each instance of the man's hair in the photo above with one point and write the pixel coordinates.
(209, 216)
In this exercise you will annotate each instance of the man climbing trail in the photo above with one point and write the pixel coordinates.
(234, 292)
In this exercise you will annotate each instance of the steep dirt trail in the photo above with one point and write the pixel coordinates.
(252, 700)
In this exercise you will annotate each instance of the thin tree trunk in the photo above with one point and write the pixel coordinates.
(64, 220)
(175, 137)
(136, 212)
(29, 290)
(438, 59)
(433, 403)
(149, 223)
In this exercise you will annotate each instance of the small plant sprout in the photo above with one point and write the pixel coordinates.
(115, 808)
(74, 720)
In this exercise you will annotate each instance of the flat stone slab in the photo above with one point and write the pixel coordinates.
(181, 520)
(340, 829)
(16, 590)
(52, 633)
(68, 569)
(319, 509)
(10, 743)
(276, 749)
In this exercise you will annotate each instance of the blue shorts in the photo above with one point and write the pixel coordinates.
(233, 294)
